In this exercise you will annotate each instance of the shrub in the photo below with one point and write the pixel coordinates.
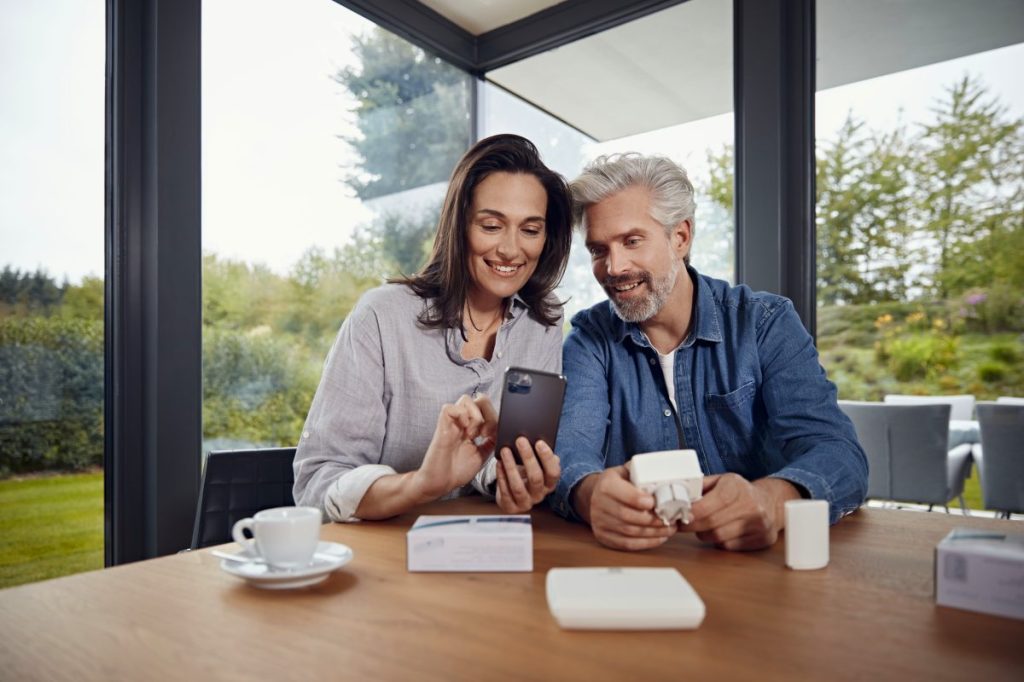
(256, 388)
(1000, 308)
(51, 394)
(1005, 353)
(991, 372)
(918, 356)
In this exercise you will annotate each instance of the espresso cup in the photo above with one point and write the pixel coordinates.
(284, 537)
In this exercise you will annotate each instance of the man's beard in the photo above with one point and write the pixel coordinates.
(642, 308)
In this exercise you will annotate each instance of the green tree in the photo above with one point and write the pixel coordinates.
(863, 203)
(968, 171)
(237, 295)
(395, 243)
(29, 293)
(412, 115)
(322, 290)
(84, 301)
(714, 241)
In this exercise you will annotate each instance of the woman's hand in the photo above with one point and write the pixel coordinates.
(462, 442)
(520, 487)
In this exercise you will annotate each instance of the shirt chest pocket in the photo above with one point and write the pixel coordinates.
(731, 418)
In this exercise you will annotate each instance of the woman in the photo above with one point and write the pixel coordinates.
(404, 411)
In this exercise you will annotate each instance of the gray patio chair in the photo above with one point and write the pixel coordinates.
(1000, 456)
(908, 459)
(962, 406)
(869, 421)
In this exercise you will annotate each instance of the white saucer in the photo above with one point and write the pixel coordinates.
(329, 557)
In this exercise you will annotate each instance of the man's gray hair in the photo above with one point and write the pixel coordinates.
(671, 190)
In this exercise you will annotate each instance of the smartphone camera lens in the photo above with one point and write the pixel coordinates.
(519, 382)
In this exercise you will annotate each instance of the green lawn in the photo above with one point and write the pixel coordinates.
(972, 492)
(51, 526)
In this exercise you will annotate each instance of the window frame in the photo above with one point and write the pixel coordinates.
(153, 313)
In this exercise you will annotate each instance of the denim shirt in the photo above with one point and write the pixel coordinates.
(752, 398)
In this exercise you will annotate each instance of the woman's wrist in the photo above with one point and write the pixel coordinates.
(392, 495)
(418, 488)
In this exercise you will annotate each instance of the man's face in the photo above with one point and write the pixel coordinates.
(633, 259)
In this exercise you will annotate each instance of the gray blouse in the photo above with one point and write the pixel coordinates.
(383, 385)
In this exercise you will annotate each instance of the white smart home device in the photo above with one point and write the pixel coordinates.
(674, 478)
(623, 599)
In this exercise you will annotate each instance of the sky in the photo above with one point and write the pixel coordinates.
(272, 116)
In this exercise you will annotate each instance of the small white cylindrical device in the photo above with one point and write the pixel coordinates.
(806, 534)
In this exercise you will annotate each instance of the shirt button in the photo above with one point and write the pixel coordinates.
(668, 413)
(305, 434)
(499, 356)
(652, 360)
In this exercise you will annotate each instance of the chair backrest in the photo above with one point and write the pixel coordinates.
(962, 406)
(919, 440)
(1009, 400)
(1002, 445)
(237, 484)
(873, 433)
(906, 449)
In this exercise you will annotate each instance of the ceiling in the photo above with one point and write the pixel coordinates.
(481, 16)
(675, 65)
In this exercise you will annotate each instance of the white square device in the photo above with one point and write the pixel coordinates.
(623, 599)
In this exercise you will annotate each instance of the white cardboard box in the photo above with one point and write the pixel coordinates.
(981, 571)
(471, 544)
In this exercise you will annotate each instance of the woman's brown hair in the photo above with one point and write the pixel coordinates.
(445, 279)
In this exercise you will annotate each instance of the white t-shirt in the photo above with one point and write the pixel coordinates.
(668, 363)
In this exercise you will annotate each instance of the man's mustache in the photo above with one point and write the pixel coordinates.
(627, 278)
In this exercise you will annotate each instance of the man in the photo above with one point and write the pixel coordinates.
(675, 359)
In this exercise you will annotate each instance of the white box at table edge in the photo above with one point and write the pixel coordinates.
(470, 544)
(981, 570)
(614, 598)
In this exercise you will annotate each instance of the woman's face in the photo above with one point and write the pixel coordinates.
(506, 232)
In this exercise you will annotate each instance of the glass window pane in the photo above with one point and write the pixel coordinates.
(920, 200)
(51, 288)
(325, 161)
(632, 89)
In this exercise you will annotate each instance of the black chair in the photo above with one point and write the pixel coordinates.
(237, 484)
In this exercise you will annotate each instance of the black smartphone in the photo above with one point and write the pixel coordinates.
(531, 405)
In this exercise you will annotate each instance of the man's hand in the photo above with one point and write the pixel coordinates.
(520, 487)
(736, 514)
(463, 439)
(620, 514)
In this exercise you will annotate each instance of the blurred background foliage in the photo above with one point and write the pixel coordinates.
(920, 278)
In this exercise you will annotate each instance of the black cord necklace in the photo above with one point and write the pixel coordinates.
(469, 311)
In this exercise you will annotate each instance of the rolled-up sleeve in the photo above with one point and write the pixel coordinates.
(339, 452)
(584, 422)
(817, 441)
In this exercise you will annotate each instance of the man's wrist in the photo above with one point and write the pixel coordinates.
(778, 492)
(581, 495)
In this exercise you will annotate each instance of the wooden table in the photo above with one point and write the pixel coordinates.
(869, 614)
